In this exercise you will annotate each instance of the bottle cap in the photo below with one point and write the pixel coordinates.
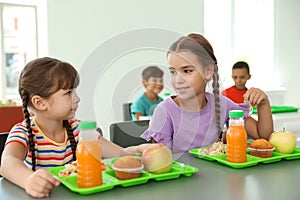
(85, 125)
(167, 94)
(236, 113)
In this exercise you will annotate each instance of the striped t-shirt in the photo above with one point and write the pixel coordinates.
(48, 152)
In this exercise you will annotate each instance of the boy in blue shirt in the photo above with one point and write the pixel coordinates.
(145, 104)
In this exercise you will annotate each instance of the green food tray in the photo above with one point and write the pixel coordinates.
(251, 160)
(279, 109)
(110, 181)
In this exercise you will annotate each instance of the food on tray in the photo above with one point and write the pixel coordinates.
(69, 170)
(215, 149)
(128, 167)
(261, 144)
(157, 159)
(283, 141)
(261, 148)
(111, 182)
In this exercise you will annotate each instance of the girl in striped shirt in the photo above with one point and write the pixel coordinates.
(47, 88)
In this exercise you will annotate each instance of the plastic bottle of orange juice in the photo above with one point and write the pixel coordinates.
(236, 150)
(89, 156)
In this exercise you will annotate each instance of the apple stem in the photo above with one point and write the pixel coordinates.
(284, 126)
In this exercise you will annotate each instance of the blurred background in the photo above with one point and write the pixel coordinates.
(111, 42)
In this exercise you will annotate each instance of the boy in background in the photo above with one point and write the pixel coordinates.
(145, 104)
(240, 76)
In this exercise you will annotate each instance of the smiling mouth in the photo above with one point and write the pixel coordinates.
(181, 89)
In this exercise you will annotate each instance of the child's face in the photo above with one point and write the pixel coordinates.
(187, 74)
(154, 84)
(240, 77)
(63, 104)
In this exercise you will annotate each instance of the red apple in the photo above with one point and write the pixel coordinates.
(157, 159)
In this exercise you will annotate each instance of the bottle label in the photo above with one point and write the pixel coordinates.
(236, 150)
(93, 148)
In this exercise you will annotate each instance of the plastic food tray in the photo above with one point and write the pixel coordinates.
(279, 109)
(251, 160)
(110, 180)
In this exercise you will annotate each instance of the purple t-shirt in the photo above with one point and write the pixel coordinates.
(182, 130)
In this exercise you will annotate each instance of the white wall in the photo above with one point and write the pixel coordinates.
(287, 48)
(110, 42)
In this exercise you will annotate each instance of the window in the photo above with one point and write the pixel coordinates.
(242, 30)
(19, 43)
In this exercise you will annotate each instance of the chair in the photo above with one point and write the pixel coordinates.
(9, 116)
(128, 133)
(3, 137)
(127, 112)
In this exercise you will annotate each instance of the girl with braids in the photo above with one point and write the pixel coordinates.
(47, 88)
(195, 118)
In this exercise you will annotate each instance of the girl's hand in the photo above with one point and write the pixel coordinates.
(40, 184)
(138, 150)
(255, 97)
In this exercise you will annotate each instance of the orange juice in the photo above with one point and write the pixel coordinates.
(89, 167)
(88, 153)
(236, 150)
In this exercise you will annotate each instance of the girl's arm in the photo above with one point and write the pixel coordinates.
(263, 127)
(37, 184)
(111, 150)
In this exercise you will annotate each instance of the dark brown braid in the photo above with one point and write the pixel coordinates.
(198, 45)
(25, 99)
(70, 133)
